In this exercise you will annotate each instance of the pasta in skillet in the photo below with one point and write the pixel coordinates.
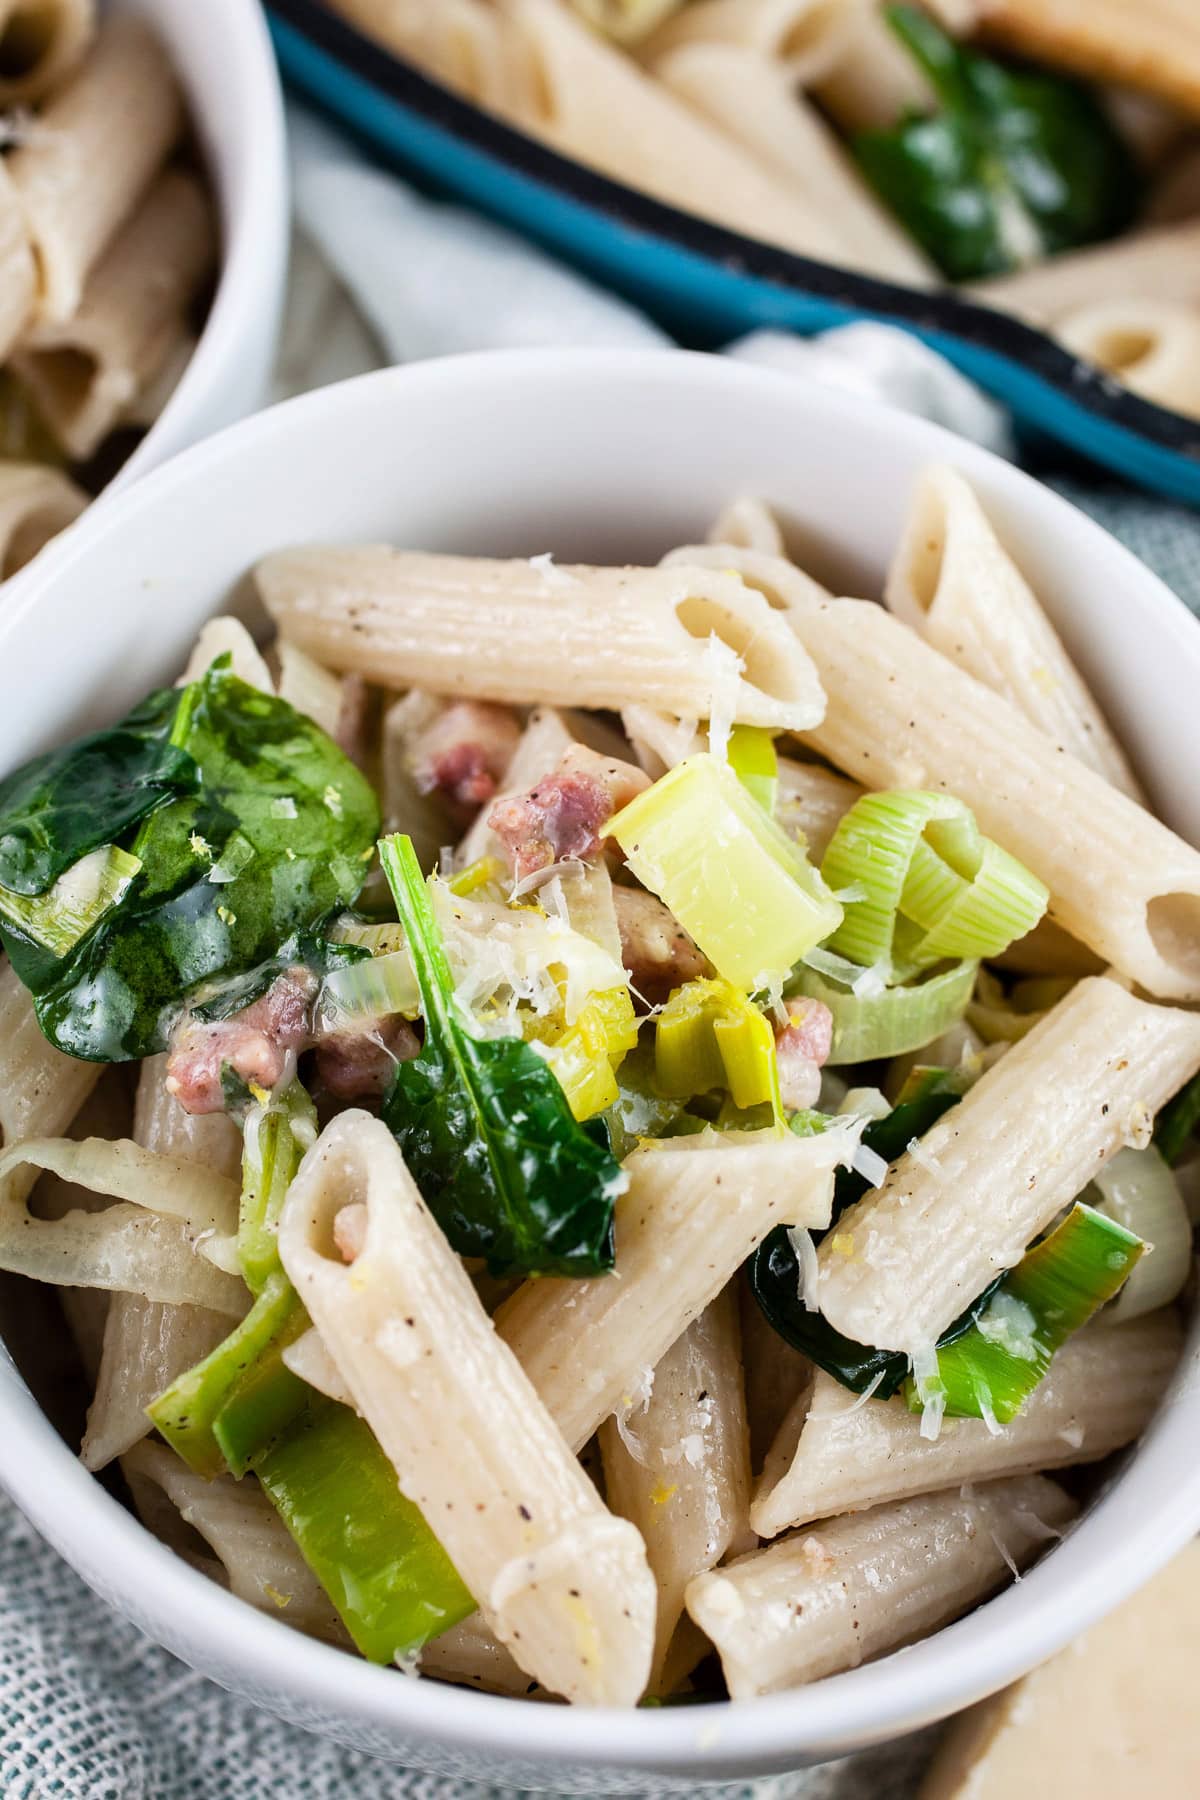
(907, 141)
(108, 242)
(643, 1164)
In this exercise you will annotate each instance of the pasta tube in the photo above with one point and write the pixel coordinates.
(953, 581)
(677, 1460)
(86, 371)
(694, 1210)
(18, 271)
(98, 145)
(752, 100)
(749, 523)
(41, 41)
(469, 1655)
(1152, 44)
(523, 633)
(41, 1090)
(36, 503)
(868, 1583)
(148, 1344)
(250, 1541)
(775, 1375)
(806, 38)
(836, 1453)
(963, 1204)
(1164, 262)
(901, 715)
(560, 1581)
(1152, 345)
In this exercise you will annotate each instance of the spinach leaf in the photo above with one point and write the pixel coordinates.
(1176, 1123)
(485, 1127)
(774, 1268)
(1015, 165)
(275, 837)
(62, 805)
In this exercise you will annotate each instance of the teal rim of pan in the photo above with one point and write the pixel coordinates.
(703, 283)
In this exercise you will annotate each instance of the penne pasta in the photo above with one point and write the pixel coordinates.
(806, 38)
(36, 503)
(18, 271)
(41, 41)
(97, 147)
(836, 1453)
(873, 83)
(562, 1583)
(41, 1090)
(1151, 345)
(583, 85)
(470, 1656)
(751, 525)
(86, 371)
(584, 1344)
(995, 1170)
(1151, 44)
(859, 1586)
(901, 715)
(148, 1343)
(260, 1560)
(226, 636)
(952, 581)
(1164, 262)
(514, 632)
(811, 800)
(751, 99)
(677, 1462)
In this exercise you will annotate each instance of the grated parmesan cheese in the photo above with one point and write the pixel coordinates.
(807, 1267)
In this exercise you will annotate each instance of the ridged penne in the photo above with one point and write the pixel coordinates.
(677, 1461)
(1151, 345)
(18, 271)
(858, 1586)
(148, 1343)
(85, 372)
(806, 38)
(752, 100)
(775, 1376)
(250, 1541)
(811, 799)
(41, 41)
(749, 523)
(41, 1090)
(694, 1209)
(562, 1583)
(97, 146)
(1153, 44)
(901, 715)
(470, 1656)
(1164, 262)
(965, 1202)
(517, 632)
(150, 1242)
(36, 503)
(954, 583)
(836, 1453)
(227, 636)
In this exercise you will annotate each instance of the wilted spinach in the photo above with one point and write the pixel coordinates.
(1016, 164)
(271, 836)
(485, 1127)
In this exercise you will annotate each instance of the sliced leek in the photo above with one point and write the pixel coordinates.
(991, 1370)
(710, 1035)
(78, 900)
(891, 1021)
(753, 760)
(585, 1056)
(932, 886)
(375, 988)
(733, 879)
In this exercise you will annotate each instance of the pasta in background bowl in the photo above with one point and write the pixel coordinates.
(801, 163)
(610, 459)
(144, 215)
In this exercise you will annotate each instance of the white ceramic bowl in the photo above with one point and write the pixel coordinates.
(608, 456)
(222, 55)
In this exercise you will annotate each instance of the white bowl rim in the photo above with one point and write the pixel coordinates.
(261, 216)
(843, 1712)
